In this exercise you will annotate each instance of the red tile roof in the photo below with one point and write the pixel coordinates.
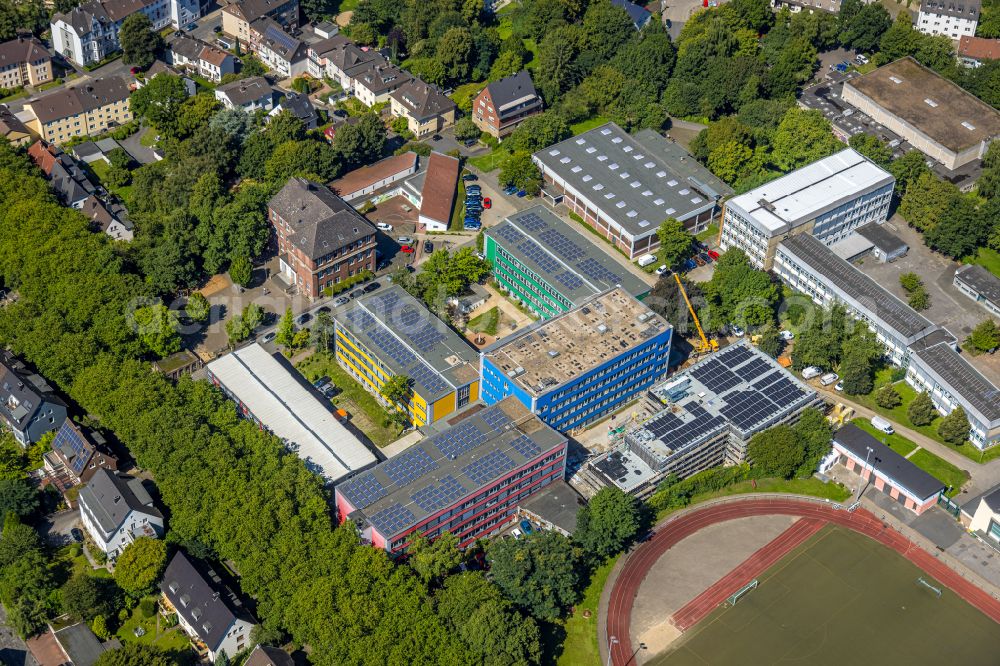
(367, 176)
(438, 196)
(979, 48)
(42, 156)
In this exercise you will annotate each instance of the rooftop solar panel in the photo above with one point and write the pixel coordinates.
(409, 466)
(488, 467)
(531, 222)
(393, 519)
(525, 446)
(748, 372)
(363, 490)
(462, 438)
(440, 494)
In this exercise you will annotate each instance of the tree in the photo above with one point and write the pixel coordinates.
(675, 242)
(961, 228)
(740, 294)
(134, 654)
(507, 64)
(910, 282)
(156, 326)
(241, 271)
(537, 132)
(466, 130)
(802, 137)
(362, 142)
(536, 572)
(323, 331)
(139, 41)
(926, 199)
(872, 147)
(888, 397)
(863, 28)
(242, 326)
(731, 161)
(558, 70)
(815, 433)
(919, 299)
(140, 564)
(286, 329)
(666, 300)
(921, 411)
(985, 337)
(160, 100)
(519, 171)
(85, 598)
(454, 50)
(856, 372)
(99, 625)
(770, 341)
(197, 307)
(776, 452)
(17, 497)
(433, 560)
(954, 428)
(398, 390)
(608, 523)
(606, 28)
(907, 169)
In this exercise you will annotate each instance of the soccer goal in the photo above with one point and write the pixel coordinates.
(743, 591)
(935, 590)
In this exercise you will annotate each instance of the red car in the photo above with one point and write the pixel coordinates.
(714, 255)
(406, 249)
(487, 203)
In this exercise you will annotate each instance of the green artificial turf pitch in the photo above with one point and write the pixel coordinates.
(841, 598)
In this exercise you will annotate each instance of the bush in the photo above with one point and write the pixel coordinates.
(348, 283)
(919, 299)
(147, 607)
(674, 493)
(910, 282)
(888, 397)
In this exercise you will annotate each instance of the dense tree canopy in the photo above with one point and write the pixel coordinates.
(608, 523)
(537, 572)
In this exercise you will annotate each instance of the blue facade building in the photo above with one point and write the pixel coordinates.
(582, 365)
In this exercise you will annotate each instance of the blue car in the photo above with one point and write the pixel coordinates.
(521, 193)
(526, 526)
(689, 265)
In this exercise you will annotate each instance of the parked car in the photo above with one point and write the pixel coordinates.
(343, 300)
(839, 386)
(321, 381)
(428, 247)
(714, 255)
(404, 240)
(828, 378)
(882, 425)
(811, 371)
(406, 249)
(861, 59)
(468, 143)
(473, 189)
(689, 265)
(436, 137)
(663, 270)
(510, 189)
(737, 331)
(267, 337)
(516, 533)
(487, 203)
(383, 226)
(526, 526)
(704, 257)
(698, 260)
(371, 286)
(303, 318)
(470, 176)
(786, 335)
(76, 534)
(521, 193)
(323, 309)
(357, 293)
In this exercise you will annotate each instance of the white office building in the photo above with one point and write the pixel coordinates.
(828, 199)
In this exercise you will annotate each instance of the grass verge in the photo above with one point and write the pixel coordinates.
(487, 323)
(589, 124)
(708, 234)
(580, 644)
(896, 442)
(940, 469)
(490, 160)
(457, 222)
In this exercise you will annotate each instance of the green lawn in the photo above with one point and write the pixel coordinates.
(77, 563)
(148, 139)
(489, 161)
(896, 442)
(319, 365)
(708, 234)
(533, 50)
(811, 486)
(465, 93)
(589, 124)
(580, 644)
(989, 259)
(168, 639)
(940, 469)
(348, 5)
(100, 169)
(487, 322)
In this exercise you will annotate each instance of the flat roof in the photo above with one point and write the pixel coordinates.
(631, 179)
(411, 341)
(441, 470)
(888, 462)
(739, 388)
(557, 503)
(562, 256)
(981, 280)
(862, 289)
(930, 103)
(350, 184)
(962, 379)
(882, 238)
(804, 194)
(278, 399)
(553, 351)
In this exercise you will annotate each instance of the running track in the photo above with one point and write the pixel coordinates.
(637, 566)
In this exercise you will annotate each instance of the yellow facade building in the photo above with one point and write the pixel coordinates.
(390, 333)
(84, 110)
(24, 62)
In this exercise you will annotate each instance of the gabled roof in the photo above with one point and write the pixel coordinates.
(366, 176)
(639, 15)
(111, 497)
(513, 92)
(274, 37)
(298, 105)
(380, 77)
(67, 102)
(20, 397)
(438, 195)
(422, 100)
(887, 462)
(65, 176)
(202, 600)
(320, 221)
(964, 9)
(345, 54)
(11, 124)
(979, 48)
(247, 90)
(265, 655)
(251, 10)
(22, 49)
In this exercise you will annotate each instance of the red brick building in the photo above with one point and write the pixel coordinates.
(322, 240)
(505, 104)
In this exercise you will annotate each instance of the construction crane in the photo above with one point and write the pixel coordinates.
(705, 345)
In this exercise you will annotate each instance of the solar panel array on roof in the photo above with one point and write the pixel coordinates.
(437, 495)
(409, 466)
(363, 490)
(525, 446)
(747, 408)
(392, 519)
(488, 467)
(495, 418)
(561, 245)
(460, 439)
(594, 270)
(754, 368)
(508, 233)
(531, 222)
(532, 251)
(716, 377)
(68, 439)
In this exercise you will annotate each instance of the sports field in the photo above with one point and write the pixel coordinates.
(841, 598)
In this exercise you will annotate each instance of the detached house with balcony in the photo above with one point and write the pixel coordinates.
(322, 240)
(116, 510)
(427, 110)
(75, 457)
(200, 58)
(28, 406)
(340, 59)
(505, 104)
(247, 94)
(211, 614)
(238, 15)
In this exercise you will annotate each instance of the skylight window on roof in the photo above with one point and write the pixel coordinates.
(649, 165)
(598, 187)
(609, 196)
(554, 152)
(685, 191)
(581, 141)
(635, 184)
(602, 158)
(577, 169)
(638, 156)
(605, 131)
(620, 204)
(695, 200)
(647, 193)
(632, 213)
(613, 166)
(587, 178)
(658, 202)
(565, 160)
(661, 174)
(643, 223)
(670, 211)
(627, 149)
(591, 150)
(672, 183)
(617, 139)
(967, 125)
(895, 79)
(625, 175)
(931, 103)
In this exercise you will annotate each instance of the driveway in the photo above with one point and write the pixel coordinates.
(56, 527)
(133, 146)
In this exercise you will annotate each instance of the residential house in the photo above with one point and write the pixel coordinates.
(248, 94)
(339, 59)
(24, 62)
(265, 655)
(277, 49)
(237, 15)
(973, 51)
(427, 110)
(159, 67)
(210, 613)
(29, 407)
(13, 129)
(298, 105)
(640, 15)
(199, 57)
(108, 217)
(951, 18)
(90, 108)
(437, 196)
(88, 33)
(375, 82)
(503, 105)
(322, 240)
(76, 456)
(116, 510)
(70, 183)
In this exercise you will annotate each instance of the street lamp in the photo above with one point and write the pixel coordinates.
(642, 646)
(612, 641)
(863, 480)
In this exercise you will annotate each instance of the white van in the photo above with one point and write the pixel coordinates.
(646, 260)
(811, 371)
(828, 378)
(882, 425)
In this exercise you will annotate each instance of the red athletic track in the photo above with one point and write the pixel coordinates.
(770, 554)
(637, 566)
